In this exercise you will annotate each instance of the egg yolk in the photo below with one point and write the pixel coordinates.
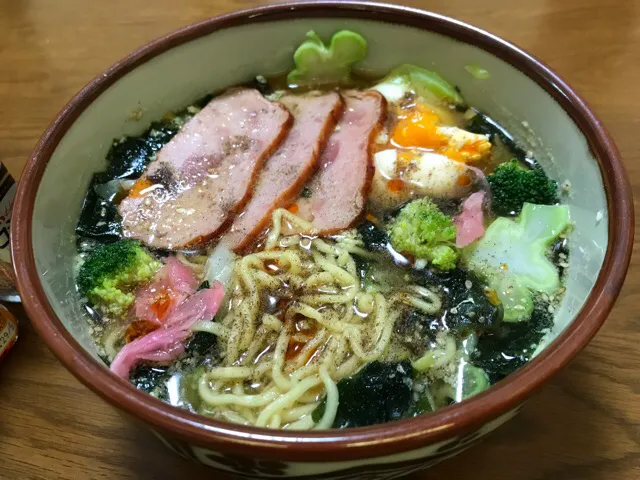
(470, 151)
(419, 129)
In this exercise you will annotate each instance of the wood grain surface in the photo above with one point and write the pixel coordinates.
(585, 425)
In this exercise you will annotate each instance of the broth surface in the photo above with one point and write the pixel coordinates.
(307, 327)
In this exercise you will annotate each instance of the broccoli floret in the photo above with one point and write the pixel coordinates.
(513, 184)
(111, 271)
(425, 83)
(512, 257)
(318, 64)
(422, 230)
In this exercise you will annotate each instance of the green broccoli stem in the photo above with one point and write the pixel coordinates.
(512, 257)
(319, 64)
(425, 83)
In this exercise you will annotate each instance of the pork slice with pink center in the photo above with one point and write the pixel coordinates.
(205, 174)
(286, 171)
(337, 192)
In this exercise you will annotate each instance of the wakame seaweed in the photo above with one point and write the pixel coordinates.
(99, 218)
(505, 350)
(416, 330)
(483, 124)
(201, 344)
(380, 392)
(466, 305)
(261, 84)
(151, 379)
(559, 255)
(129, 155)
(374, 238)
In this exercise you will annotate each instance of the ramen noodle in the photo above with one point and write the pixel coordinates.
(321, 249)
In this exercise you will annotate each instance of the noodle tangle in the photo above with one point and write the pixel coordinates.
(300, 321)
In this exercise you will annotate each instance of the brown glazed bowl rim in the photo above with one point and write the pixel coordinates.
(349, 444)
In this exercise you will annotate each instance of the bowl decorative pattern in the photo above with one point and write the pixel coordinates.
(386, 467)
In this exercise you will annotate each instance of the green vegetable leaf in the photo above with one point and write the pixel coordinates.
(470, 381)
(512, 257)
(422, 404)
(319, 64)
(477, 71)
(425, 83)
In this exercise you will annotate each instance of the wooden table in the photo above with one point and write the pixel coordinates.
(585, 425)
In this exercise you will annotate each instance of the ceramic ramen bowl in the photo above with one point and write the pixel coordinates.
(524, 95)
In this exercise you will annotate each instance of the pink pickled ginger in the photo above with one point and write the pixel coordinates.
(167, 343)
(171, 285)
(470, 223)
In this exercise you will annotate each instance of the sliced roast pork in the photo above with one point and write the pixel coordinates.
(205, 173)
(336, 195)
(286, 171)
